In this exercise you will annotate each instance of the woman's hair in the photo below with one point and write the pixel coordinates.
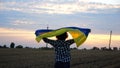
(62, 36)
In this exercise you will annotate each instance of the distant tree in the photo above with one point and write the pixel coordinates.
(1, 46)
(4, 46)
(115, 48)
(95, 48)
(12, 45)
(84, 49)
(19, 46)
(46, 48)
(27, 47)
(74, 48)
(104, 48)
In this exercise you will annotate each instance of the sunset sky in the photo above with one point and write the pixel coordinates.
(20, 18)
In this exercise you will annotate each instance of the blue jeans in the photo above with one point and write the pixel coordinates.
(60, 64)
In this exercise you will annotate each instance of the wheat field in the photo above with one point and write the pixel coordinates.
(39, 58)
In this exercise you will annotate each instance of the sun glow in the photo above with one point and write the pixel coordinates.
(102, 40)
(28, 38)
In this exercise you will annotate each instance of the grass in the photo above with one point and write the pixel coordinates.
(38, 58)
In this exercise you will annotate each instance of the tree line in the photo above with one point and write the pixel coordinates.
(12, 45)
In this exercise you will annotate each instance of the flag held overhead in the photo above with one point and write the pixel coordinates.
(79, 34)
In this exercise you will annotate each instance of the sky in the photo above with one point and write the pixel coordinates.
(20, 18)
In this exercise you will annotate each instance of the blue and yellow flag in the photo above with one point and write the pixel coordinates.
(79, 34)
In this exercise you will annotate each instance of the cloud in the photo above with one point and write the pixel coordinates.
(62, 7)
(14, 31)
(22, 22)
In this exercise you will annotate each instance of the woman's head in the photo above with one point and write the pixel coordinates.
(62, 36)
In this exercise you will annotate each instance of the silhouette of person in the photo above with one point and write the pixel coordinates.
(62, 50)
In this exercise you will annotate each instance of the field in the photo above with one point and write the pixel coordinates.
(38, 58)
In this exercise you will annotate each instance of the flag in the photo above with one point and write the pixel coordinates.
(78, 34)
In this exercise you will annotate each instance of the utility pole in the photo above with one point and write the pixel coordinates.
(47, 43)
(110, 39)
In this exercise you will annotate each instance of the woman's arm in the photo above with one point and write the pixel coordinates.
(52, 42)
(46, 40)
(71, 41)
